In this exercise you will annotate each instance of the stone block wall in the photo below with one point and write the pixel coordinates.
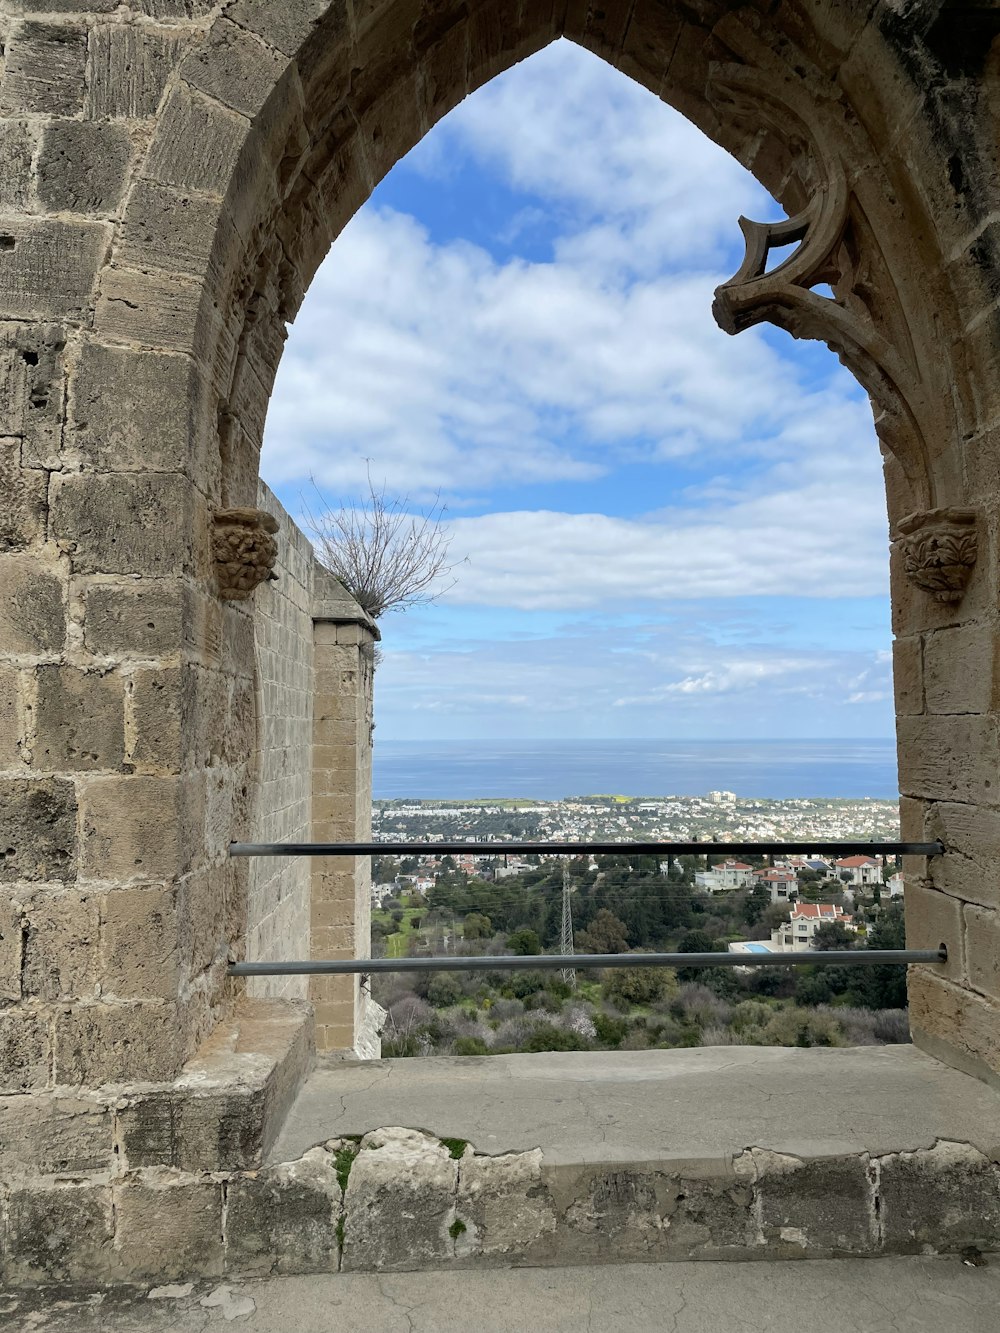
(314, 653)
(278, 887)
(342, 806)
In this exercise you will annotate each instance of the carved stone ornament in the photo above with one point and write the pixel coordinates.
(832, 281)
(244, 550)
(939, 550)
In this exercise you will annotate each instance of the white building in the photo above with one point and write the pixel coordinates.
(722, 878)
(782, 884)
(806, 918)
(863, 870)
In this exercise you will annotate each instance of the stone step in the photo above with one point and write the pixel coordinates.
(920, 1295)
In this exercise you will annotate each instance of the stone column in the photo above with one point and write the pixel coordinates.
(340, 922)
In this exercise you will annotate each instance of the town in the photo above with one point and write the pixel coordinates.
(488, 901)
(719, 816)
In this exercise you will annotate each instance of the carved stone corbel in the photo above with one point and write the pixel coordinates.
(244, 550)
(939, 548)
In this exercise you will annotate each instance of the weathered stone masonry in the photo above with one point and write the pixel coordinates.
(171, 174)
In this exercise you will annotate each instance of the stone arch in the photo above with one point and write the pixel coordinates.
(307, 114)
(244, 141)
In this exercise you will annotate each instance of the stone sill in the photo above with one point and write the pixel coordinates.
(680, 1107)
(719, 1153)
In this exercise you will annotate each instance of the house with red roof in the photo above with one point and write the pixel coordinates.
(782, 883)
(863, 870)
(799, 930)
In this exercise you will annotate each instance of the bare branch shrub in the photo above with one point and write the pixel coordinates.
(387, 557)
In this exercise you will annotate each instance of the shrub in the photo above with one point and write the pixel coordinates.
(892, 1026)
(802, 1027)
(547, 1037)
(444, 989)
(609, 1031)
(751, 1015)
(698, 1004)
(469, 1046)
(411, 1044)
(629, 986)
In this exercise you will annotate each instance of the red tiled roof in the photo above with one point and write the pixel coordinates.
(855, 862)
(819, 911)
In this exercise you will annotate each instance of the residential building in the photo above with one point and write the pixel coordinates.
(806, 918)
(782, 884)
(863, 870)
(724, 877)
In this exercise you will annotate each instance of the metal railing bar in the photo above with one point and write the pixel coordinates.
(554, 962)
(582, 848)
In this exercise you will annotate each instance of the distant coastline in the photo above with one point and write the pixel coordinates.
(550, 770)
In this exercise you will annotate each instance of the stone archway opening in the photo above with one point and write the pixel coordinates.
(382, 254)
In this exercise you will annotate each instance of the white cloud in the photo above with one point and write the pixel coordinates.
(813, 525)
(640, 185)
(451, 370)
(656, 680)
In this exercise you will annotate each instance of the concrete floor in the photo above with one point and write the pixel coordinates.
(912, 1295)
(644, 1106)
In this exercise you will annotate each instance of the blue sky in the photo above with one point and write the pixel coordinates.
(664, 531)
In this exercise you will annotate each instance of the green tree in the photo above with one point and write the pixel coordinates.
(834, 935)
(610, 1031)
(696, 941)
(444, 990)
(476, 926)
(884, 985)
(605, 934)
(757, 901)
(524, 941)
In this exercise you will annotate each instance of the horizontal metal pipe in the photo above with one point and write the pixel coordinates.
(582, 848)
(551, 962)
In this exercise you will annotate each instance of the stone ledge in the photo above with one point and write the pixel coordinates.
(226, 1107)
(670, 1156)
(222, 1112)
(671, 1107)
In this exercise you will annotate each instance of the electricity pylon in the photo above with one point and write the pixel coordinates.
(566, 933)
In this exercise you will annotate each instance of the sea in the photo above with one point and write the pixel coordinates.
(550, 770)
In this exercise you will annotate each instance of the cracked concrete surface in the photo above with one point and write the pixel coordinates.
(909, 1295)
(703, 1105)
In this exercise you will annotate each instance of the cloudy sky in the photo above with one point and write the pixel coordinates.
(664, 531)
